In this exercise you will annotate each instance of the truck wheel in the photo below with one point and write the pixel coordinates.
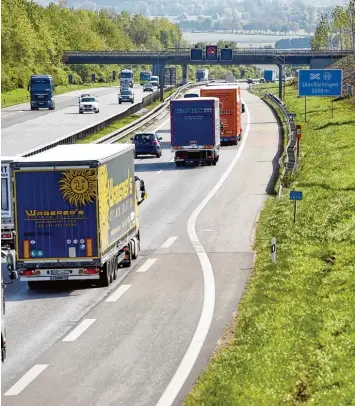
(114, 270)
(3, 349)
(214, 162)
(126, 263)
(104, 276)
(135, 248)
(81, 112)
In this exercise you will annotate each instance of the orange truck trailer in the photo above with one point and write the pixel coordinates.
(230, 109)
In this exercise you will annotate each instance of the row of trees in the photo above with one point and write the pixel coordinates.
(293, 43)
(33, 39)
(254, 26)
(336, 29)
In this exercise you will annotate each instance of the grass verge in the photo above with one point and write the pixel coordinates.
(19, 96)
(116, 125)
(295, 337)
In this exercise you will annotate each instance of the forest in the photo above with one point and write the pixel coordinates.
(34, 37)
(336, 30)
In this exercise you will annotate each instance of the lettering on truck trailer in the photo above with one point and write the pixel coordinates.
(116, 204)
(194, 110)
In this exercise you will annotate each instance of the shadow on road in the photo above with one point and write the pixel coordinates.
(47, 290)
(164, 166)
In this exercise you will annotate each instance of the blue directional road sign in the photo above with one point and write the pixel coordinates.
(226, 54)
(196, 54)
(296, 195)
(320, 82)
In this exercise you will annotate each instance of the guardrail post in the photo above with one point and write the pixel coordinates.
(161, 82)
(281, 70)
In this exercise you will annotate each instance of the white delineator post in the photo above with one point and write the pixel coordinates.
(273, 250)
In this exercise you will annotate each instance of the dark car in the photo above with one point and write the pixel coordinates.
(147, 144)
(126, 95)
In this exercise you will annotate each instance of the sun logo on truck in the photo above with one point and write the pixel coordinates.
(78, 186)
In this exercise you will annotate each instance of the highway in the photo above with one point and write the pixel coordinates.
(136, 342)
(23, 129)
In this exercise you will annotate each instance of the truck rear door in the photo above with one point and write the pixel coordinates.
(56, 214)
(192, 124)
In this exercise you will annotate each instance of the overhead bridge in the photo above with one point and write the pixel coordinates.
(182, 56)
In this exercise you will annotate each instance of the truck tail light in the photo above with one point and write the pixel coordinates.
(91, 271)
(29, 272)
(5, 235)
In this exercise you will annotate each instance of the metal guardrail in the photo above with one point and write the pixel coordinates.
(88, 131)
(291, 156)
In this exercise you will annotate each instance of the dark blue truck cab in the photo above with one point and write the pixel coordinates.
(41, 88)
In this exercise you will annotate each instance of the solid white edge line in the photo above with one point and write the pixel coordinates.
(29, 376)
(118, 293)
(205, 321)
(79, 330)
(147, 264)
(169, 242)
(159, 172)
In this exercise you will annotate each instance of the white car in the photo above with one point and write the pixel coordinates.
(84, 95)
(88, 104)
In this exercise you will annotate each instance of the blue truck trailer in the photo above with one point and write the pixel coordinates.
(269, 76)
(41, 88)
(76, 213)
(195, 130)
(201, 74)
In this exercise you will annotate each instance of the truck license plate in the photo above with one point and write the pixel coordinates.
(59, 278)
(60, 272)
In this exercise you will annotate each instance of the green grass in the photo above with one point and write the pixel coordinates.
(295, 336)
(18, 96)
(116, 125)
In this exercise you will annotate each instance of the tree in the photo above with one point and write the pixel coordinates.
(339, 23)
(351, 16)
(321, 36)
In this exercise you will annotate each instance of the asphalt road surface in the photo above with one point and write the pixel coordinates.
(136, 342)
(23, 129)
